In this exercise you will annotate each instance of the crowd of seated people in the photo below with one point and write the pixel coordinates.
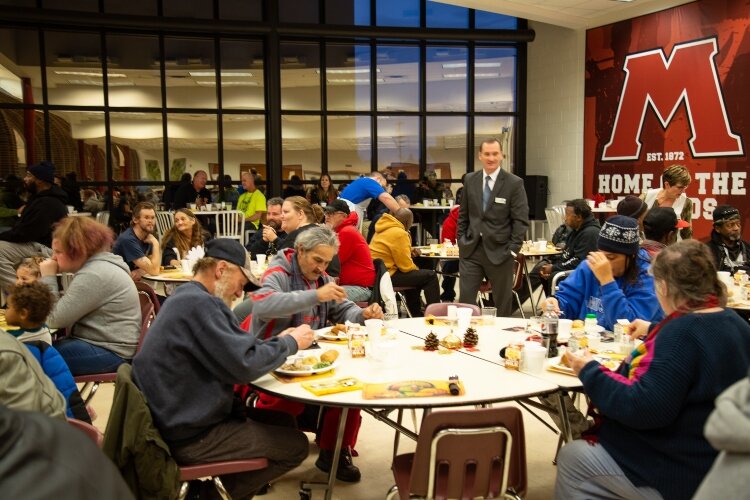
(649, 414)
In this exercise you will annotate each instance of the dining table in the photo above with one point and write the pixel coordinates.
(532, 255)
(400, 359)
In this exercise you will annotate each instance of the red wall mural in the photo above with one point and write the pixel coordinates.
(671, 88)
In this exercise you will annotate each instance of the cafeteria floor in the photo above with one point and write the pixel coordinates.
(375, 447)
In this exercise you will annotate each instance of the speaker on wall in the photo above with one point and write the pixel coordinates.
(536, 192)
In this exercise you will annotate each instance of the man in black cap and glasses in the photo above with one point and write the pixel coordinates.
(730, 251)
(32, 235)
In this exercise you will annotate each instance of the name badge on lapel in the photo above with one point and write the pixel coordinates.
(500, 201)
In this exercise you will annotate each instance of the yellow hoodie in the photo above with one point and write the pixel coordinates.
(392, 243)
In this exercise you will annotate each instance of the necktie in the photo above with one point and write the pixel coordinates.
(487, 192)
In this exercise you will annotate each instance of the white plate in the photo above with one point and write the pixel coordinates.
(325, 333)
(302, 373)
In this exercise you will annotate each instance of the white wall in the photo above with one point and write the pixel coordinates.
(554, 120)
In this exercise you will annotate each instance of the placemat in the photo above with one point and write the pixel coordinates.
(410, 389)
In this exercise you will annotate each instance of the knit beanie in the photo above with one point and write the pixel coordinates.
(44, 171)
(619, 234)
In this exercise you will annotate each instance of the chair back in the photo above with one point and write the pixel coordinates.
(145, 289)
(470, 454)
(230, 225)
(147, 316)
(92, 432)
(519, 268)
(384, 285)
(441, 308)
(557, 278)
(102, 217)
(164, 221)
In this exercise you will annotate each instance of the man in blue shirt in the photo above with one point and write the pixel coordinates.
(359, 193)
(137, 245)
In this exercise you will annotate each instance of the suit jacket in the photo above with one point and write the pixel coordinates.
(501, 228)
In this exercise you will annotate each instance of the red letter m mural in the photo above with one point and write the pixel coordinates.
(662, 84)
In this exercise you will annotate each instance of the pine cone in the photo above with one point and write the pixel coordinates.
(431, 342)
(471, 338)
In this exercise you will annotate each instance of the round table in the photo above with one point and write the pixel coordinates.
(484, 383)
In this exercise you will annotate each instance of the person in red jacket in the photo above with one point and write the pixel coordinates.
(357, 270)
(450, 268)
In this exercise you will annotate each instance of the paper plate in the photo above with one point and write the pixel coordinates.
(325, 333)
(303, 373)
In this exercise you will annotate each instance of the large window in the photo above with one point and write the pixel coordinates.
(279, 87)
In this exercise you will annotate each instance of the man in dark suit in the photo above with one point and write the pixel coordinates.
(492, 222)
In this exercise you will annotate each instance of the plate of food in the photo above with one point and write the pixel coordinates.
(336, 332)
(299, 365)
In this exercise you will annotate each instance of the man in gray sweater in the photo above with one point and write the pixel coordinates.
(193, 355)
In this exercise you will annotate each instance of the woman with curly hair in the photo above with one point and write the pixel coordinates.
(186, 233)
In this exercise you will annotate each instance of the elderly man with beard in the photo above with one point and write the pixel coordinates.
(188, 366)
(32, 235)
(730, 251)
(297, 291)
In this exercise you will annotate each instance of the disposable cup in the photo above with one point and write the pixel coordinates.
(533, 358)
(261, 258)
(374, 329)
(725, 276)
(540, 245)
(452, 311)
(187, 266)
(594, 340)
(564, 326)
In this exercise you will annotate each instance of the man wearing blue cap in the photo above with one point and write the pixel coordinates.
(33, 233)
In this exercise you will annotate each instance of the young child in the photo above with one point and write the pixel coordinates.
(28, 307)
(28, 270)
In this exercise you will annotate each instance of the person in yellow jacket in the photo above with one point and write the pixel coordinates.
(392, 243)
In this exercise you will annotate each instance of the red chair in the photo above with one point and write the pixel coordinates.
(91, 382)
(215, 469)
(88, 429)
(465, 454)
(519, 272)
(441, 308)
(144, 288)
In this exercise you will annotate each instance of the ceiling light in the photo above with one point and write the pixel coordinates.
(90, 73)
(487, 65)
(211, 83)
(454, 65)
(454, 75)
(100, 84)
(348, 71)
(486, 75)
(224, 74)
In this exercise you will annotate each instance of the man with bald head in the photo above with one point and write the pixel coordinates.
(392, 243)
(194, 192)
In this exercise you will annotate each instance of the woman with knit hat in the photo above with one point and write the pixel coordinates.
(612, 283)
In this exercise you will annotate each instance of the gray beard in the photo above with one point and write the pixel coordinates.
(221, 290)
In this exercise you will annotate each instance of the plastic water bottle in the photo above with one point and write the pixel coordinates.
(550, 331)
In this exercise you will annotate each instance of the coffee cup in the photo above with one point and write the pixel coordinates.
(533, 358)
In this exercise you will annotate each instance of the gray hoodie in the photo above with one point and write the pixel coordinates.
(728, 430)
(101, 305)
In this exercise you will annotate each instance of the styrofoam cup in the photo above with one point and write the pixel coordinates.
(564, 326)
(533, 358)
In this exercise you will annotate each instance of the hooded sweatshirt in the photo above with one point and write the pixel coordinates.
(578, 244)
(392, 243)
(728, 430)
(42, 211)
(581, 294)
(356, 263)
(101, 305)
(287, 299)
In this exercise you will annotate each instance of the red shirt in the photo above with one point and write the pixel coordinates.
(357, 268)
(450, 226)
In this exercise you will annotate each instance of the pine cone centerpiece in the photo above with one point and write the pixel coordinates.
(471, 337)
(431, 342)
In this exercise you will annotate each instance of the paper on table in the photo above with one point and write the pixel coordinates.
(410, 389)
